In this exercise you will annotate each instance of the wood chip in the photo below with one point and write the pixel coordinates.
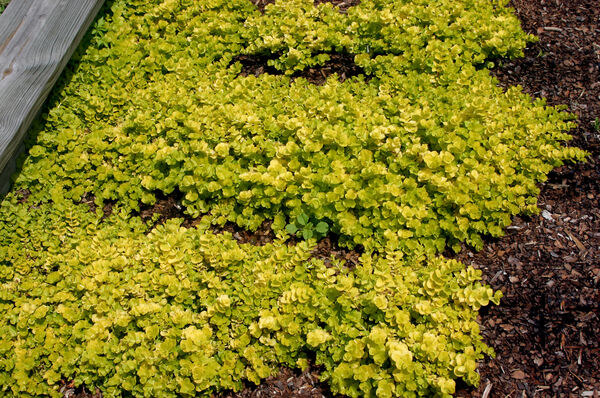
(487, 390)
(547, 215)
(580, 245)
(519, 375)
(552, 29)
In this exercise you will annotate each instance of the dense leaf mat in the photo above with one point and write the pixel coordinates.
(429, 152)
(422, 153)
(182, 310)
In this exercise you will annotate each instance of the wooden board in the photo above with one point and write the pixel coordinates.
(37, 38)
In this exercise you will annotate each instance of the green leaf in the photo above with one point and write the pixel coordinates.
(291, 228)
(317, 337)
(307, 234)
(302, 219)
(322, 228)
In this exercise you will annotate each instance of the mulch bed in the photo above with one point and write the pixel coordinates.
(546, 331)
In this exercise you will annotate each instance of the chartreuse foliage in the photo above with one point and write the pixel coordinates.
(182, 311)
(301, 35)
(428, 153)
(423, 152)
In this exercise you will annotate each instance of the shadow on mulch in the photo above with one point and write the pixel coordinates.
(287, 383)
(340, 64)
(70, 391)
(342, 5)
(107, 208)
(169, 206)
(23, 195)
(261, 4)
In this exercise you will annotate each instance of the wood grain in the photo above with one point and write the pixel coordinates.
(37, 38)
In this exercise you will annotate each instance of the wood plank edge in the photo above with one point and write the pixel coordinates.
(8, 158)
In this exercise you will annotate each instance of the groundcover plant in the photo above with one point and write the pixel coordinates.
(420, 152)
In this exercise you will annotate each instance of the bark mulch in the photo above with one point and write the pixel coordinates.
(546, 331)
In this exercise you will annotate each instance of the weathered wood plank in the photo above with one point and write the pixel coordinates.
(37, 38)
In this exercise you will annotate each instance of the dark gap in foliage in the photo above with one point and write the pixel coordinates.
(326, 248)
(342, 5)
(169, 206)
(262, 236)
(90, 200)
(329, 246)
(341, 64)
(286, 383)
(261, 4)
(255, 65)
(68, 390)
(23, 195)
(166, 207)
(450, 254)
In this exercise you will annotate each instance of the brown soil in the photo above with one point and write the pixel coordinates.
(261, 4)
(166, 207)
(68, 390)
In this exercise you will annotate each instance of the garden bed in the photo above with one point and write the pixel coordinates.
(545, 331)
